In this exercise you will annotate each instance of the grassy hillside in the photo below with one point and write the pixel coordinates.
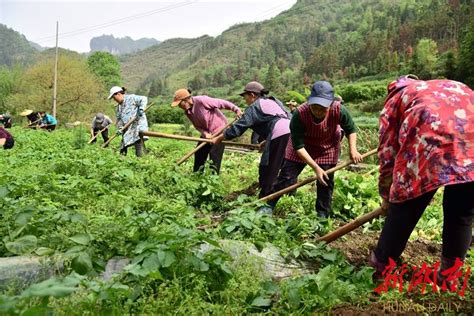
(334, 39)
(158, 60)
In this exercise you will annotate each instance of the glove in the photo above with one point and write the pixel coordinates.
(140, 112)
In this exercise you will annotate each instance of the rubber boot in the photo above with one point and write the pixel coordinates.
(446, 263)
(378, 265)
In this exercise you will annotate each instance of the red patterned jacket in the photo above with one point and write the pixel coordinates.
(426, 137)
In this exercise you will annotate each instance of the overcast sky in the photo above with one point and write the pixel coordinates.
(80, 20)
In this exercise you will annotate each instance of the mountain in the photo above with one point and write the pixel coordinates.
(156, 61)
(15, 48)
(120, 46)
(313, 39)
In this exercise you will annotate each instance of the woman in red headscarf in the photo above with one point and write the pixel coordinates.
(426, 142)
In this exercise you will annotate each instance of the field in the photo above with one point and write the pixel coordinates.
(82, 205)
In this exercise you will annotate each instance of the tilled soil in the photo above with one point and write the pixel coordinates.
(250, 190)
(356, 246)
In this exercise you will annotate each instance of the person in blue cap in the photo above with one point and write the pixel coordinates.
(316, 128)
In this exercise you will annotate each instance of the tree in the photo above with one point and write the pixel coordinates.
(10, 83)
(447, 65)
(79, 93)
(272, 79)
(156, 88)
(466, 56)
(105, 66)
(425, 58)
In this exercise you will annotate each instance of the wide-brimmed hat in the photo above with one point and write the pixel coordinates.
(322, 94)
(179, 96)
(26, 112)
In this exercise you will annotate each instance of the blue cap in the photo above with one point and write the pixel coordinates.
(322, 93)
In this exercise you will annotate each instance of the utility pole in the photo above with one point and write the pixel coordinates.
(55, 86)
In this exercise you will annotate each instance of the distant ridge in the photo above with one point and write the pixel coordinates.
(120, 46)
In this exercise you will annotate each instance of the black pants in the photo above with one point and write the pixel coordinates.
(255, 138)
(105, 134)
(50, 128)
(289, 175)
(139, 148)
(9, 143)
(268, 174)
(215, 153)
(458, 211)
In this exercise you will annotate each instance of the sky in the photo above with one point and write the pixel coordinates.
(81, 20)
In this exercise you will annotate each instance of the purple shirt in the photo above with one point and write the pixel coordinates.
(282, 126)
(205, 113)
(4, 133)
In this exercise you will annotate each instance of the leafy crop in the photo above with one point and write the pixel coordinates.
(82, 207)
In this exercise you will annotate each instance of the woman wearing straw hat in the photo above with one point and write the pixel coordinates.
(34, 118)
(130, 106)
(205, 114)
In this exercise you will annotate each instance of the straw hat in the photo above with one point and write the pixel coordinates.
(26, 112)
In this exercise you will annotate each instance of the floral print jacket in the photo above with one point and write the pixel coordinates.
(426, 137)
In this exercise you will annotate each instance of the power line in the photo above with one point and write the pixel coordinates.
(115, 22)
(266, 12)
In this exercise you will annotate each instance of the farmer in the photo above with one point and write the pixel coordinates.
(48, 121)
(128, 107)
(315, 141)
(6, 120)
(205, 115)
(426, 142)
(6, 139)
(269, 119)
(33, 118)
(100, 123)
(257, 139)
(292, 105)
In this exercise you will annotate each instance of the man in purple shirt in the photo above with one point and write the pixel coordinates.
(205, 115)
(6, 139)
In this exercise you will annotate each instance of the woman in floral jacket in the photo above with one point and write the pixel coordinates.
(128, 107)
(426, 142)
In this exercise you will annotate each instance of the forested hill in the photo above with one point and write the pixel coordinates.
(332, 38)
(120, 46)
(15, 48)
(171, 55)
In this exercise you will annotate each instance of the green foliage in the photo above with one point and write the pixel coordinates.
(364, 91)
(15, 48)
(310, 41)
(424, 59)
(165, 113)
(79, 94)
(106, 67)
(10, 83)
(87, 206)
(466, 58)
